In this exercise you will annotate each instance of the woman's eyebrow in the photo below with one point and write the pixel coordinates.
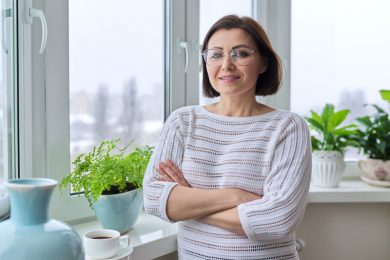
(241, 46)
(235, 47)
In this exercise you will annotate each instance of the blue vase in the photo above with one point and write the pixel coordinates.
(29, 233)
(119, 211)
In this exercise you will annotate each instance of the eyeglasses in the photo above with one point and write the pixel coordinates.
(239, 56)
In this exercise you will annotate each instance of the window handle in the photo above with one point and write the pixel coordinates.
(30, 14)
(185, 46)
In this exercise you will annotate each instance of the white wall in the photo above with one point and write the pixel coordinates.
(359, 231)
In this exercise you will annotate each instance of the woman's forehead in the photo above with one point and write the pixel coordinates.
(228, 39)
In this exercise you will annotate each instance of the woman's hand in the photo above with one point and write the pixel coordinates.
(170, 172)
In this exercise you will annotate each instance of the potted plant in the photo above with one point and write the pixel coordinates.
(329, 142)
(374, 139)
(111, 180)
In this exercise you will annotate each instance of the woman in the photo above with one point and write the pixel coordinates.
(235, 173)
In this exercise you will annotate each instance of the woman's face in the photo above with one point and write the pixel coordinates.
(232, 78)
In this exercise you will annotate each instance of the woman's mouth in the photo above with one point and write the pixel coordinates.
(229, 78)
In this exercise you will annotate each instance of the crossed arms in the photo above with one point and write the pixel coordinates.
(214, 207)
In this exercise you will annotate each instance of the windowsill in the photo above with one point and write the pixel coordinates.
(351, 190)
(152, 237)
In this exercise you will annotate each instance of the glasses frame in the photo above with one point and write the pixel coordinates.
(204, 55)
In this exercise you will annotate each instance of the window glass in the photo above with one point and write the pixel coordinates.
(116, 72)
(210, 12)
(339, 54)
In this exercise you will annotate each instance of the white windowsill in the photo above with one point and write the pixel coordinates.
(351, 190)
(152, 237)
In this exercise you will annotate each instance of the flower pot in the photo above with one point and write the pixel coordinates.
(375, 169)
(29, 233)
(328, 168)
(119, 211)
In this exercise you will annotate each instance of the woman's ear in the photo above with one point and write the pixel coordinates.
(263, 65)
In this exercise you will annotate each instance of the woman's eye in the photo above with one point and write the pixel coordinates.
(216, 55)
(241, 54)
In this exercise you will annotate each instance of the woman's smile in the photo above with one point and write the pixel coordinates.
(229, 78)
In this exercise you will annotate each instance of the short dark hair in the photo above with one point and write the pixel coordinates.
(268, 82)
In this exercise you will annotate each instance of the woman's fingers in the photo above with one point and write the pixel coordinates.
(171, 171)
(178, 172)
(163, 176)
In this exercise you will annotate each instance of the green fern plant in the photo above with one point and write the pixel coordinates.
(331, 136)
(107, 169)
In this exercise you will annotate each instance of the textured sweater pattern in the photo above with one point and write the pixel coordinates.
(268, 154)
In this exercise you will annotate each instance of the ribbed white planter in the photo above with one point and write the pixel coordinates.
(328, 168)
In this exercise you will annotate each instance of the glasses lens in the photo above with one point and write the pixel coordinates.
(213, 57)
(242, 56)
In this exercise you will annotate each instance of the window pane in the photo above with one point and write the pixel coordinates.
(210, 12)
(339, 54)
(116, 60)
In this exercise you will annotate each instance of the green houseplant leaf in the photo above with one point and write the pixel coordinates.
(385, 94)
(107, 169)
(330, 136)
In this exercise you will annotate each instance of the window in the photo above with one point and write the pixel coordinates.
(339, 55)
(116, 71)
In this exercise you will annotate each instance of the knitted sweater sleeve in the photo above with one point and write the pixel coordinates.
(169, 147)
(286, 187)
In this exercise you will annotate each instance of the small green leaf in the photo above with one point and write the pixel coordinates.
(385, 94)
(315, 124)
(327, 113)
(365, 120)
(337, 119)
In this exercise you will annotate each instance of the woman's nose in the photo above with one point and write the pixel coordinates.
(228, 63)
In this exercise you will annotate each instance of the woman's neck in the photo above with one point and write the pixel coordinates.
(238, 108)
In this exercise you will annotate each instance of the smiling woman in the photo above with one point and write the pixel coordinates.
(235, 172)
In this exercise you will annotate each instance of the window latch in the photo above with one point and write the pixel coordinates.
(30, 13)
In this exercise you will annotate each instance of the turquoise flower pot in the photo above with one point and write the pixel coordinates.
(119, 211)
(29, 233)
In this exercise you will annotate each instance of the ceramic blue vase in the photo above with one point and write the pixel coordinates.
(119, 211)
(29, 233)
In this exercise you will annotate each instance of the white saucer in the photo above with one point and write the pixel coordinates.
(123, 254)
(375, 182)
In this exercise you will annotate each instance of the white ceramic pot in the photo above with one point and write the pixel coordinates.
(328, 168)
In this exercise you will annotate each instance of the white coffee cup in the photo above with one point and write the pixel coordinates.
(104, 243)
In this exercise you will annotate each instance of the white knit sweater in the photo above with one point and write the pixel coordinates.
(267, 154)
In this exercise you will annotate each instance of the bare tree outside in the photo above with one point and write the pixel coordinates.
(101, 126)
(131, 117)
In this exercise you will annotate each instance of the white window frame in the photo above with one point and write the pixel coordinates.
(275, 17)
